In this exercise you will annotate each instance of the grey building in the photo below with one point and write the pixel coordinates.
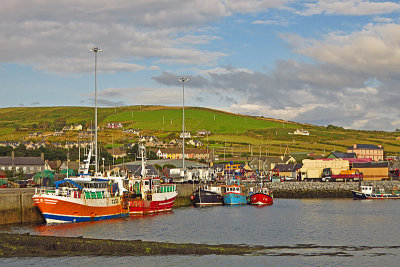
(29, 165)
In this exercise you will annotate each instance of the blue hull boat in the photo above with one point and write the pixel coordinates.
(234, 198)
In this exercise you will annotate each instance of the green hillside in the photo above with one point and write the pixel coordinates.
(168, 119)
(232, 133)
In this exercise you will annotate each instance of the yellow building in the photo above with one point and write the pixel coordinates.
(366, 151)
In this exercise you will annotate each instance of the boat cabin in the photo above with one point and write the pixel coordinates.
(366, 189)
(233, 189)
(139, 187)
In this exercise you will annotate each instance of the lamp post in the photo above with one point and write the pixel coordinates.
(95, 50)
(183, 80)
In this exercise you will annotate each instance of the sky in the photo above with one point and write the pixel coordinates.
(320, 62)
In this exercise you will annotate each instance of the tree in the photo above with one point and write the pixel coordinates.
(5, 151)
(10, 174)
(132, 152)
(20, 174)
(158, 167)
(44, 125)
(331, 127)
(21, 151)
(108, 158)
(169, 166)
(60, 123)
(151, 155)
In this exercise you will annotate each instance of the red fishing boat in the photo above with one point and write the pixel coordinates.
(260, 196)
(148, 195)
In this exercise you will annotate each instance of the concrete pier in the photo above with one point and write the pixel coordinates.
(16, 206)
(324, 189)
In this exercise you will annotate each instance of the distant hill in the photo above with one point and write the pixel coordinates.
(230, 132)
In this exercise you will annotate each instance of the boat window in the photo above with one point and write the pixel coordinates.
(146, 182)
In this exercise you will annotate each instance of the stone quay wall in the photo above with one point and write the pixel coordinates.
(324, 189)
(16, 206)
(300, 189)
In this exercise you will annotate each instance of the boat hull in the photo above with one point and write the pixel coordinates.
(143, 206)
(261, 199)
(361, 195)
(234, 199)
(57, 209)
(206, 198)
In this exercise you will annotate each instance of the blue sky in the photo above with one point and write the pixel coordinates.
(320, 62)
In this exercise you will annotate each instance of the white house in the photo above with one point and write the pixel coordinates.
(301, 132)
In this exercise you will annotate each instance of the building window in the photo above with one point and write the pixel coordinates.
(32, 168)
(24, 168)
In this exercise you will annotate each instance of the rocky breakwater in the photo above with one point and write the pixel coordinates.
(324, 189)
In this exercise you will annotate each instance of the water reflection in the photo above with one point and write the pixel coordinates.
(335, 232)
(288, 222)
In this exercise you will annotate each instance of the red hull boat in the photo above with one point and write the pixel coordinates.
(148, 195)
(261, 199)
(153, 202)
(260, 196)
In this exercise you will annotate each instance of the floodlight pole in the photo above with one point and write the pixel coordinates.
(183, 80)
(95, 50)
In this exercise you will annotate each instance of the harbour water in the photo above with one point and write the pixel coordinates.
(296, 232)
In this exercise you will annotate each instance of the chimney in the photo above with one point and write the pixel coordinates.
(42, 156)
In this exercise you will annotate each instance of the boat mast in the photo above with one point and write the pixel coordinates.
(143, 156)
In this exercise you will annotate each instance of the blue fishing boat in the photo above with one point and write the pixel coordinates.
(234, 194)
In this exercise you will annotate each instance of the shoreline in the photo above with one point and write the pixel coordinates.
(26, 245)
(34, 246)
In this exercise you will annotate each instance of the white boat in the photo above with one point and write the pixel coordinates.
(368, 192)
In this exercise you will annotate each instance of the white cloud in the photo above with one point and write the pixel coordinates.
(281, 22)
(350, 7)
(375, 50)
(382, 20)
(224, 70)
(49, 34)
(139, 96)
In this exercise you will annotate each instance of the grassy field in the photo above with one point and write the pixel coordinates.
(232, 133)
(170, 119)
